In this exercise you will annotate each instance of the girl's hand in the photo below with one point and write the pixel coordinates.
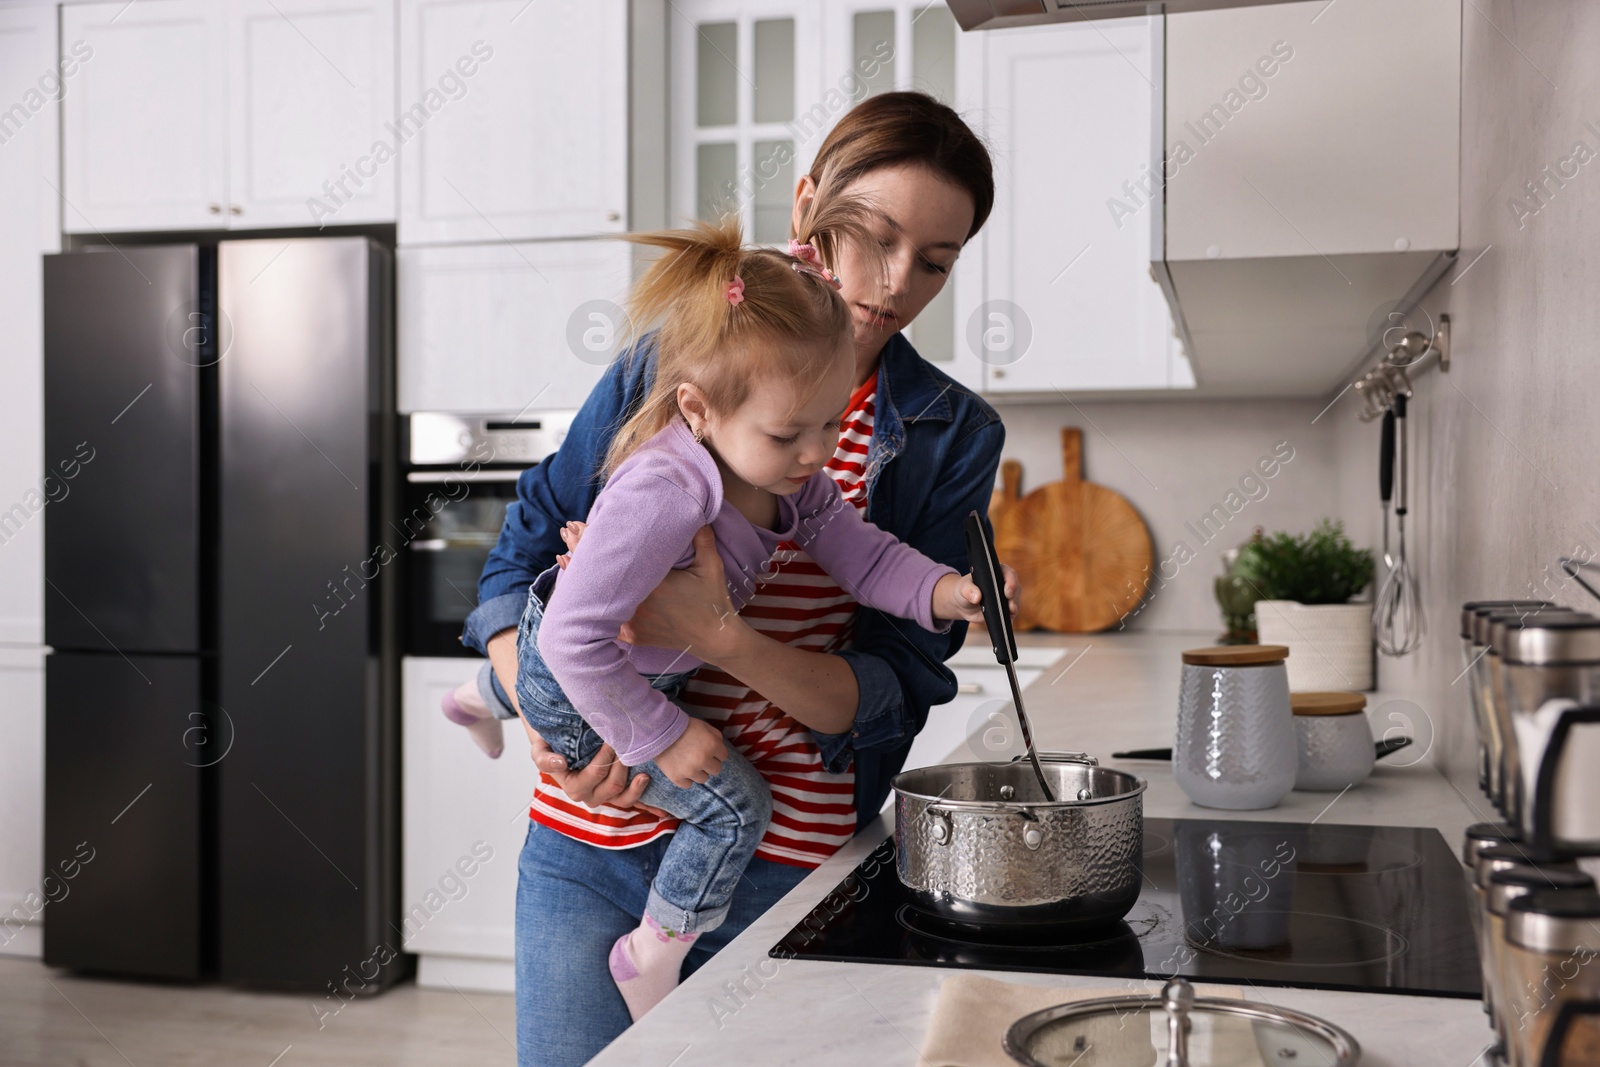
(695, 756)
(958, 597)
(571, 534)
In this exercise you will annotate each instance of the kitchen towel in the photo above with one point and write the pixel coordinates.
(973, 1013)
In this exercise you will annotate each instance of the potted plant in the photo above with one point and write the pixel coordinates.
(1305, 584)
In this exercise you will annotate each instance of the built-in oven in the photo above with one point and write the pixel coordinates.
(460, 473)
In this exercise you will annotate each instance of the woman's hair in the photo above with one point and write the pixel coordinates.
(786, 318)
(906, 127)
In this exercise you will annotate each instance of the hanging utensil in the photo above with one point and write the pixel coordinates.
(1386, 479)
(1397, 611)
(989, 578)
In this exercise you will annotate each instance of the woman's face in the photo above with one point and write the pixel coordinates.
(923, 223)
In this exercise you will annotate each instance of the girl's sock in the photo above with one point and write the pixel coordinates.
(646, 963)
(464, 706)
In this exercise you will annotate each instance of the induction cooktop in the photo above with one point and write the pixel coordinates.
(1364, 908)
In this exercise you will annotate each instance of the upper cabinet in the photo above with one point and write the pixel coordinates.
(515, 119)
(1066, 302)
(306, 88)
(1311, 160)
(144, 129)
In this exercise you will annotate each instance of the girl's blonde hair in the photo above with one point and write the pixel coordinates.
(785, 320)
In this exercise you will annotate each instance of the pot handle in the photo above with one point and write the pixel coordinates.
(1062, 757)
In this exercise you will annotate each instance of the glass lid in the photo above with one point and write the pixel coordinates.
(1176, 1029)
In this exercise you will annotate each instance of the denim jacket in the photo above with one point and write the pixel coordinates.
(935, 449)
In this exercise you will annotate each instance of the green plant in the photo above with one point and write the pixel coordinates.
(1320, 567)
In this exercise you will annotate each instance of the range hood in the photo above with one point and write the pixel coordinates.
(999, 14)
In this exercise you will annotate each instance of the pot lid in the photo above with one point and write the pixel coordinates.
(1236, 655)
(1474, 608)
(1554, 920)
(1176, 1029)
(1328, 703)
(1539, 640)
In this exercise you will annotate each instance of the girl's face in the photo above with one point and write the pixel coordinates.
(779, 437)
(923, 224)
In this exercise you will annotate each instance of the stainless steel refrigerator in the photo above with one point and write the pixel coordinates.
(221, 715)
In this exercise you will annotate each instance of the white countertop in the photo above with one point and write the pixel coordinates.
(746, 1008)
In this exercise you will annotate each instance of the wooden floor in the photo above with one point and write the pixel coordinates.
(49, 1017)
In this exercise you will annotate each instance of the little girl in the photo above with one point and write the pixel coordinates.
(755, 361)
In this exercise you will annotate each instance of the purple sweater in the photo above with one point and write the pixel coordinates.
(641, 527)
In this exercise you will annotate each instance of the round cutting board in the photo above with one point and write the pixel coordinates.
(1080, 550)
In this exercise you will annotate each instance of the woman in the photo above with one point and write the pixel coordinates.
(822, 697)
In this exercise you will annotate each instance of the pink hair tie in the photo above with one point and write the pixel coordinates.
(735, 291)
(809, 261)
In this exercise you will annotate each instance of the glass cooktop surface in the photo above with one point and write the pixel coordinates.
(1366, 908)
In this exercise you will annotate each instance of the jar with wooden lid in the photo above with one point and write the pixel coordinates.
(1553, 979)
(1235, 746)
(1332, 739)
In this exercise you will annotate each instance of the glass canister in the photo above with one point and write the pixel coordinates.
(1473, 650)
(1552, 691)
(1333, 740)
(1504, 887)
(1503, 770)
(1553, 991)
(1480, 835)
(1235, 746)
(1492, 859)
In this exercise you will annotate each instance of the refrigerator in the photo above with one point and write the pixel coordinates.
(221, 714)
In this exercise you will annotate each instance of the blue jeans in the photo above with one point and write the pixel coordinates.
(573, 902)
(724, 817)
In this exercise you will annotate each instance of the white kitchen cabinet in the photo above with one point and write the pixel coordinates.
(515, 118)
(31, 80)
(311, 96)
(979, 724)
(500, 327)
(459, 804)
(1066, 302)
(229, 114)
(21, 777)
(144, 123)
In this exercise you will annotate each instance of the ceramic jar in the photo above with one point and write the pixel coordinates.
(1332, 739)
(1235, 747)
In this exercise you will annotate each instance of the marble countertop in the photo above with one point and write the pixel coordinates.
(1105, 693)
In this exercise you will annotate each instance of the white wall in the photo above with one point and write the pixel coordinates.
(1175, 460)
(1510, 437)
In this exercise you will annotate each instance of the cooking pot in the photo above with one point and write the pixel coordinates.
(977, 843)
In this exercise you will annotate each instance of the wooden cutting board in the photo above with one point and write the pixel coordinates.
(1081, 550)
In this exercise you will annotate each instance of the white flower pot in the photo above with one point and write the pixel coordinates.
(1330, 645)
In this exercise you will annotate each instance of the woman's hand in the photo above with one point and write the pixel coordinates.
(690, 610)
(603, 781)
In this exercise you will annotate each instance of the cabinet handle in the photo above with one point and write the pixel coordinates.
(235, 209)
(613, 216)
(999, 373)
(215, 209)
(969, 687)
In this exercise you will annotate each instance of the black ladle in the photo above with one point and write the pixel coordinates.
(986, 574)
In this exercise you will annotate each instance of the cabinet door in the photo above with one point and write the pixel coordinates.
(32, 81)
(499, 328)
(512, 119)
(144, 142)
(463, 813)
(21, 780)
(1068, 302)
(311, 99)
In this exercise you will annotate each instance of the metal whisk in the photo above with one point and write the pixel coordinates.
(1397, 611)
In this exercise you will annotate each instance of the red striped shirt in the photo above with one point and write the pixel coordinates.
(813, 811)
